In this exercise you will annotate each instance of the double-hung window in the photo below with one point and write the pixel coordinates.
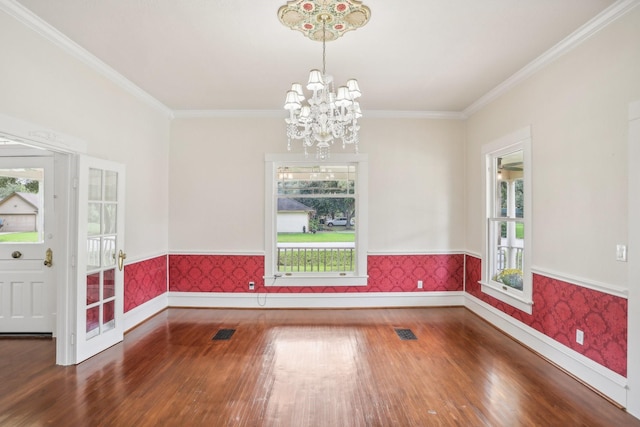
(506, 273)
(315, 213)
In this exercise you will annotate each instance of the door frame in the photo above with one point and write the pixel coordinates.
(633, 266)
(66, 150)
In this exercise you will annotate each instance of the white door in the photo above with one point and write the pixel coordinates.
(27, 276)
(100, 256)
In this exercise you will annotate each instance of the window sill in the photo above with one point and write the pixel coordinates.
(314, 280)
(508, 297)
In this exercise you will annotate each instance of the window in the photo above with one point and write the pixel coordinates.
(22, 204)
(315, 230)
(506, 273)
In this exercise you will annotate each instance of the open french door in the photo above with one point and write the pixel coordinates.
(100, 262)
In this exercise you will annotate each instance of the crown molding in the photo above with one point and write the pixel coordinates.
(602, 20)
(35, 23)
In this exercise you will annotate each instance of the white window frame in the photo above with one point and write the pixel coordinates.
(518, 140)
(271, 275)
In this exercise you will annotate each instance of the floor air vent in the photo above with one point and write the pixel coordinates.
(406, 334)
(223, 334)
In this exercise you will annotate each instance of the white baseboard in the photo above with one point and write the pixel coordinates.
(309, 300)
(597, 376)
(134, 317)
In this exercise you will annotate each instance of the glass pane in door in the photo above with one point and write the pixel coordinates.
(22, 201)
(95, 184)
(93, 288)
(109, 289)
(108, 316)
(111, 186)
(93, 316)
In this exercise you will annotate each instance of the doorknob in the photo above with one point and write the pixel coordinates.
(16, 254)
(121, 258)
(48, 258)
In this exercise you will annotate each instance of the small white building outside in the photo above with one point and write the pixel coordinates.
(19, 212)
(293, 216)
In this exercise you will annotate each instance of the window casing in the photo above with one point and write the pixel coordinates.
(506, 269)
(305, 187)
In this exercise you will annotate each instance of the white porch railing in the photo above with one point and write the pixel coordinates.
(316, 257)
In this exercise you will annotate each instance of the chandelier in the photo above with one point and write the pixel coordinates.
(327, 114)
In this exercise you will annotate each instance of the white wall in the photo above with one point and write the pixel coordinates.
(416, 184)
(577, 108)
(416, 180)
(42, 84)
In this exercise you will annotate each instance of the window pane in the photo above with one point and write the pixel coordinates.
(108, 251)
(94, 219)
(95, 184)
(508, 252)
(316, 234)
(316, 180)
(110, 186)
(93, 253)
(508, 176)
(501, 205)
(109, 218)
(21, 201)
(109, 284)
(93, 321)
(108, 316)
(93, 288)
(519, 198)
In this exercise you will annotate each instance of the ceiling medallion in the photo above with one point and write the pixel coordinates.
(337, 17)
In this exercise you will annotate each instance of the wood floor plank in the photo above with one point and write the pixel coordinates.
(300, 368)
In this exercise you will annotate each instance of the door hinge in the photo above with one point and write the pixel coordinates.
(73, 339)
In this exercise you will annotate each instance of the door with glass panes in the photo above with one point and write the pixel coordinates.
(100, 256)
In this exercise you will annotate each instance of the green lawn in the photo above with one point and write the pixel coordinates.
(519, 230)
(321, 236)
(30, 237)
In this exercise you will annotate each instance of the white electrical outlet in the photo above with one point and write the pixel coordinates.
(579, 336)
(252, 286)
(419, 284)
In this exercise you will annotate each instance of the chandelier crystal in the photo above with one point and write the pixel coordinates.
(327, 114)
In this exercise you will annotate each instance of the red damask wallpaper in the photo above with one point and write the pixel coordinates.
(559, 308)
(387, 273)
(144, 281)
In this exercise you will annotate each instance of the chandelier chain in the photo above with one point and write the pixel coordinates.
(324, 46)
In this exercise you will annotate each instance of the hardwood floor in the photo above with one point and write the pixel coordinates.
(299, 368)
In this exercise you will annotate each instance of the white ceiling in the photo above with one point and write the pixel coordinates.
(413, 55)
